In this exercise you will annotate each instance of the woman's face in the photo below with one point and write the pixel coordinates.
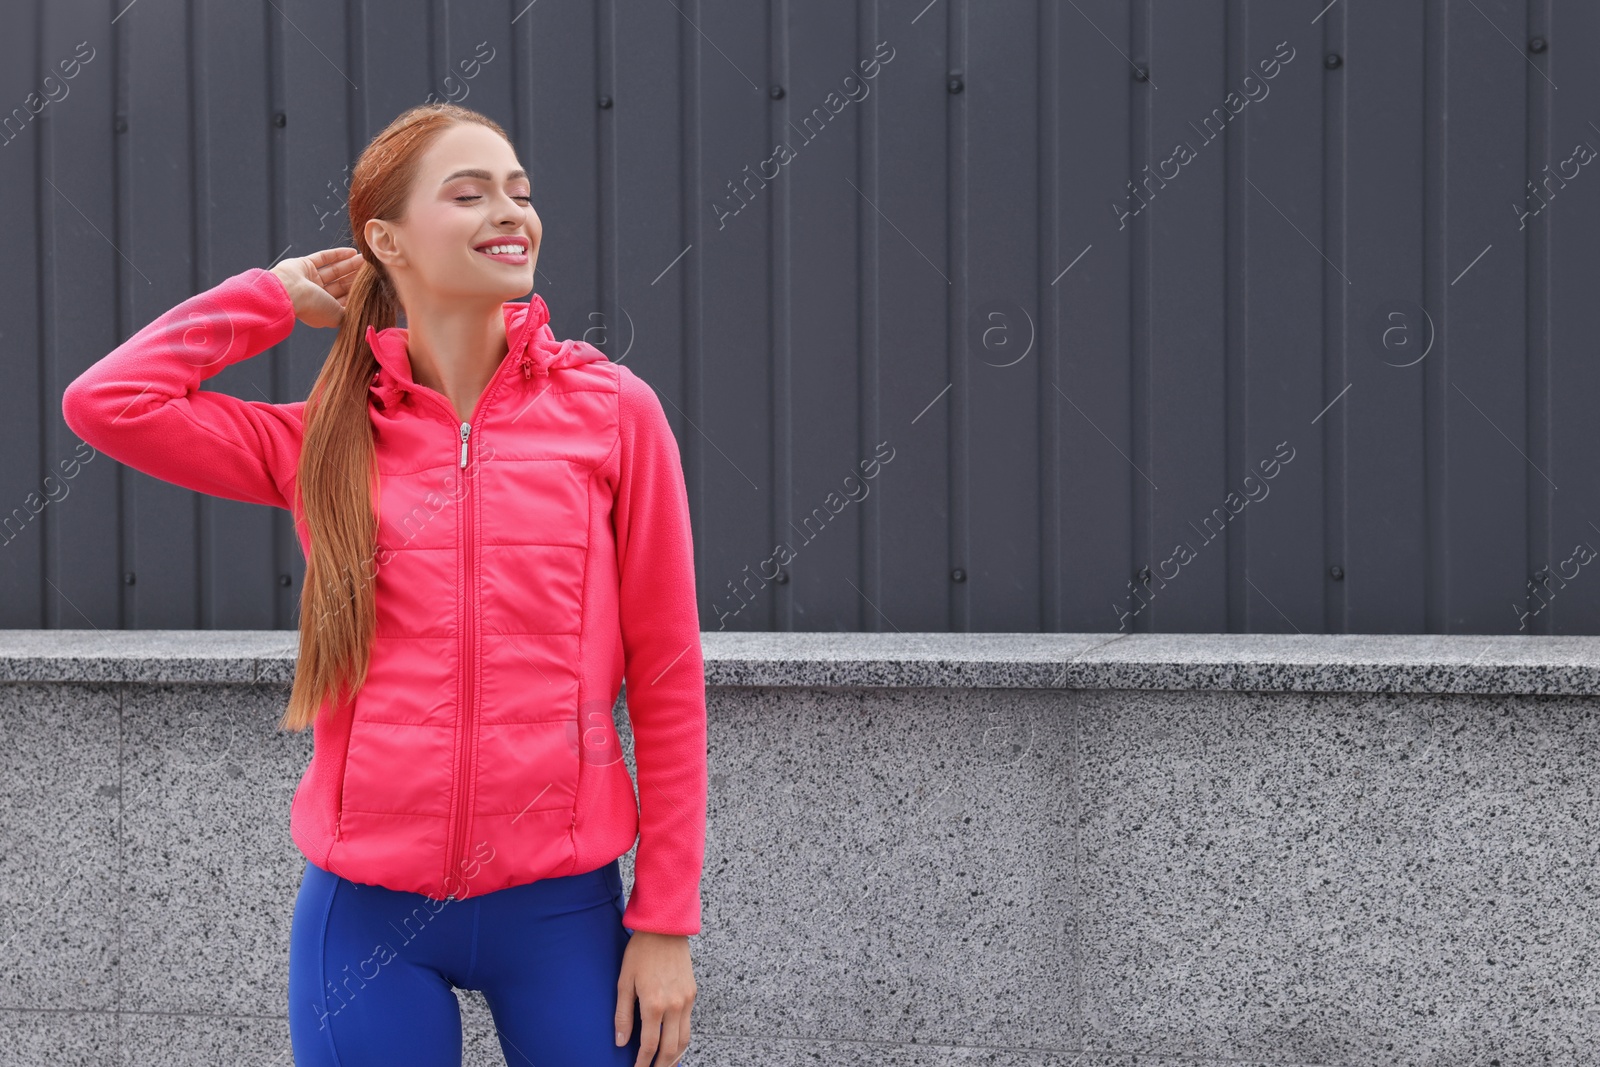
(470, 194)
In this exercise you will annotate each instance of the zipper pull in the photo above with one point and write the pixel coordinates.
(525, 362)
(466, 428)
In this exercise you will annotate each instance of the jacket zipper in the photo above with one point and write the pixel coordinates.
(468, 661)
(469, 579)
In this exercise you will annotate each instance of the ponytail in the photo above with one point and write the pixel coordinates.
(338, 497)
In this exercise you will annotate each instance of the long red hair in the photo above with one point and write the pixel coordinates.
(338, 471)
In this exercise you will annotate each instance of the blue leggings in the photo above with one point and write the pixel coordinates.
(371, 971)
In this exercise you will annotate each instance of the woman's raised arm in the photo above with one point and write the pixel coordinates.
(142, 404)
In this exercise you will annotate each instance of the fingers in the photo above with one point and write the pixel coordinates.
(331, 255)
(649, 1035)
(674, 1035)
(332, 269)
(336, 268)
(339, 285)
(622, 1018)
(666, 1042)
(663, 1034)
(683, 1029)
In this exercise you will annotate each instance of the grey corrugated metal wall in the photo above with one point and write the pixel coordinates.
(1255, 295)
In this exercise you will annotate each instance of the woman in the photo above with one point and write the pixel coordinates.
(497, 537)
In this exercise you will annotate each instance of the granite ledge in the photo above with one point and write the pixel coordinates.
(157, 656)
(1352, 663)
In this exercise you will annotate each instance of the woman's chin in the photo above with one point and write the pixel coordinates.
(508, 284)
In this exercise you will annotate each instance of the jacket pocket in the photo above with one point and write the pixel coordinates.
(344, 776)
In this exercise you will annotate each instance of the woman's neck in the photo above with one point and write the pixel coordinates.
(455, 349)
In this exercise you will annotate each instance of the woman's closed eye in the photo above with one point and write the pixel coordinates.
(474, 196)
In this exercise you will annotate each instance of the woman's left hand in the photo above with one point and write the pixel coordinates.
(656, 969)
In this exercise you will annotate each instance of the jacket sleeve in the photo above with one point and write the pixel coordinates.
(142, 404)
(664, 672)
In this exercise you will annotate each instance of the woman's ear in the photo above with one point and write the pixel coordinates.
(382, 240)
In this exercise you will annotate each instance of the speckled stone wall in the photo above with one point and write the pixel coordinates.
(1041, 850)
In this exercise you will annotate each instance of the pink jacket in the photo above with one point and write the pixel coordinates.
(529, 561)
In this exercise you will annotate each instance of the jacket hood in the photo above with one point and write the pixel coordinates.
(530, 343)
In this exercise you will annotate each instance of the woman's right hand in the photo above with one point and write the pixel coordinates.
(319, 283)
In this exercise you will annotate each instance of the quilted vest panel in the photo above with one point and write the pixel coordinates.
(464, 740)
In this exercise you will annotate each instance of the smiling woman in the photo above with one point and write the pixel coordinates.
(497, 536)
(435, 248)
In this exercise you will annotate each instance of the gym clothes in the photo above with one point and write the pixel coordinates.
(372, 972)
(530, 559)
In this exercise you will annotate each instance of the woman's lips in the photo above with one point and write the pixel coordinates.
(504, 257)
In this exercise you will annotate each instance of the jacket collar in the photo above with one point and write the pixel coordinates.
(529, 342)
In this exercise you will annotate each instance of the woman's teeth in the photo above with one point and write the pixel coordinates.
(497, 250)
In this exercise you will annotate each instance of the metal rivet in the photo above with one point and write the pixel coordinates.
(783, 578)
(284, 579)
(127, 579)
(954, 83)
(1333, 61)
(605, 103)
(776, 92)
(120, 125)
(958, 575)
(279, 119)
(1538, 44)
(1141, 74)
(1336, 572)
(1144, 575)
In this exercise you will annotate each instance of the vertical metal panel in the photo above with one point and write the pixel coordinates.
(997, 282)
(1377, 413)
(1278, 260)
(1079, 353)
(1185, 391)
(727, 280)
(33, 440)
(1562, 293)
(1477, 398)
(379, 62)
(231, 209)
(157, 235)
(1089, 274)
(1328, 30)
(818, 372)
(907, 307)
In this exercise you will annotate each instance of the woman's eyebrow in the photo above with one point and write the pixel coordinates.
(475, 172)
